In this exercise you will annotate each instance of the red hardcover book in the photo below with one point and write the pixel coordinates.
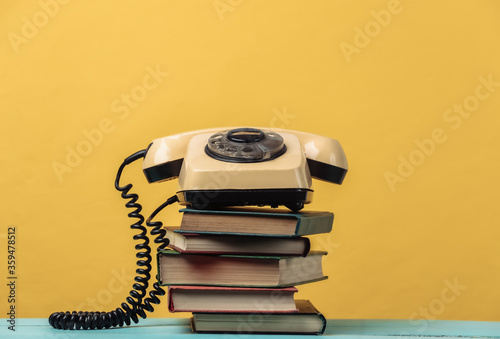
(218, 299)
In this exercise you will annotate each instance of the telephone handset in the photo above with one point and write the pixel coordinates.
(215, 167)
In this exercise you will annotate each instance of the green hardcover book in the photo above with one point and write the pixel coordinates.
(307, 321)
(238, 270)
(255, 222)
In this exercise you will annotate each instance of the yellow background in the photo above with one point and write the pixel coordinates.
(393, 252)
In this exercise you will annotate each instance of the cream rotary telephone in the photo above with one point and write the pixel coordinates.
(216, 168)
(245, 166)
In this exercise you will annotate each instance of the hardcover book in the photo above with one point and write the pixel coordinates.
(236, 244)
(238, 270)
(231, 299)
(247, 221)
(307, 321)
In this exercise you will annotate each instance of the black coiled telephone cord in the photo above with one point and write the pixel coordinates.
(136, 304)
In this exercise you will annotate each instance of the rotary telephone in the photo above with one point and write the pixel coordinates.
(216, 168)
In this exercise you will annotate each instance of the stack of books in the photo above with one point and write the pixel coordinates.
(236, 269)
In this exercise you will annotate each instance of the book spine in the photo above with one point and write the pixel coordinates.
(307, 246)
(170, 302)
(158, 265)
(176, 248)
(323, 320)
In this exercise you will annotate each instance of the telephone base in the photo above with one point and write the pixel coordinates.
(293, 198)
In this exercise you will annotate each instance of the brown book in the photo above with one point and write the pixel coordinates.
(236, 244)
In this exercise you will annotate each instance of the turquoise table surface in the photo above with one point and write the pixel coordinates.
(340, 329)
